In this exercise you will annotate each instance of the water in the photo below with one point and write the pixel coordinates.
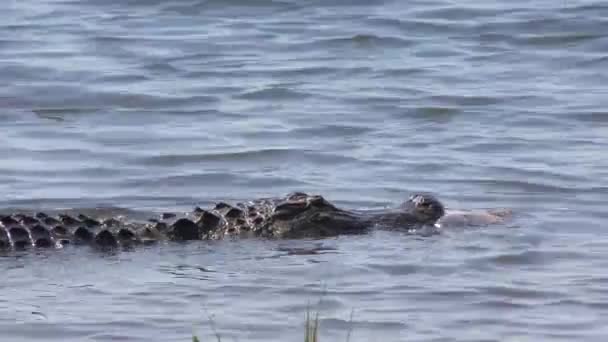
(162, 105)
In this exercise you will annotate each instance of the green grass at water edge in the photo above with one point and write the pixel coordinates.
(311, 329)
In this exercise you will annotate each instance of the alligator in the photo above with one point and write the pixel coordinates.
(296, 215)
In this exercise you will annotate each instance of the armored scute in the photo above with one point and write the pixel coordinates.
(296, 215)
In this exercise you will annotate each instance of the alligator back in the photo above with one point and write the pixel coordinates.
(293, 216)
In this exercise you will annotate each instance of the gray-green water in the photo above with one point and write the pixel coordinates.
(158, 105)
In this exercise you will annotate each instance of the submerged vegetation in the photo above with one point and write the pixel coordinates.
(311, 327)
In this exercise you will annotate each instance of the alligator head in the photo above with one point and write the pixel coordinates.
(425, 207)
(302, 215)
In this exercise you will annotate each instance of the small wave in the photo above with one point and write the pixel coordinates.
(185, 271)
(79, 97)
(520, 292)
(303, 72)
(419, 27)
(244, 7)
(252, 156)
(400, 72)
(274, 93)
(182, 180)
(160, 66)
(358, 40)
(513, 185)
(591, 117)
(249, 3)
(331, 131)
(125, 40)
(557, 40)
(58, 111)
(502, 304)
(594, 62)
(554, 174)
(196, 182)
(592, 9)
(528, 258)
(137, 206)
(466, 14)
(437, 113)
(560, 303)
(396, 269)
(122, 79)
(245, 156)
(383, 326)
(465, 100)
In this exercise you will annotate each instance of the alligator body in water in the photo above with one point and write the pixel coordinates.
(296, 215)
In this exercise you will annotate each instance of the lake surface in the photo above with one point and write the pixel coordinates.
(154, 105)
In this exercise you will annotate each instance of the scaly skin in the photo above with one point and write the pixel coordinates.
(296, 215)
